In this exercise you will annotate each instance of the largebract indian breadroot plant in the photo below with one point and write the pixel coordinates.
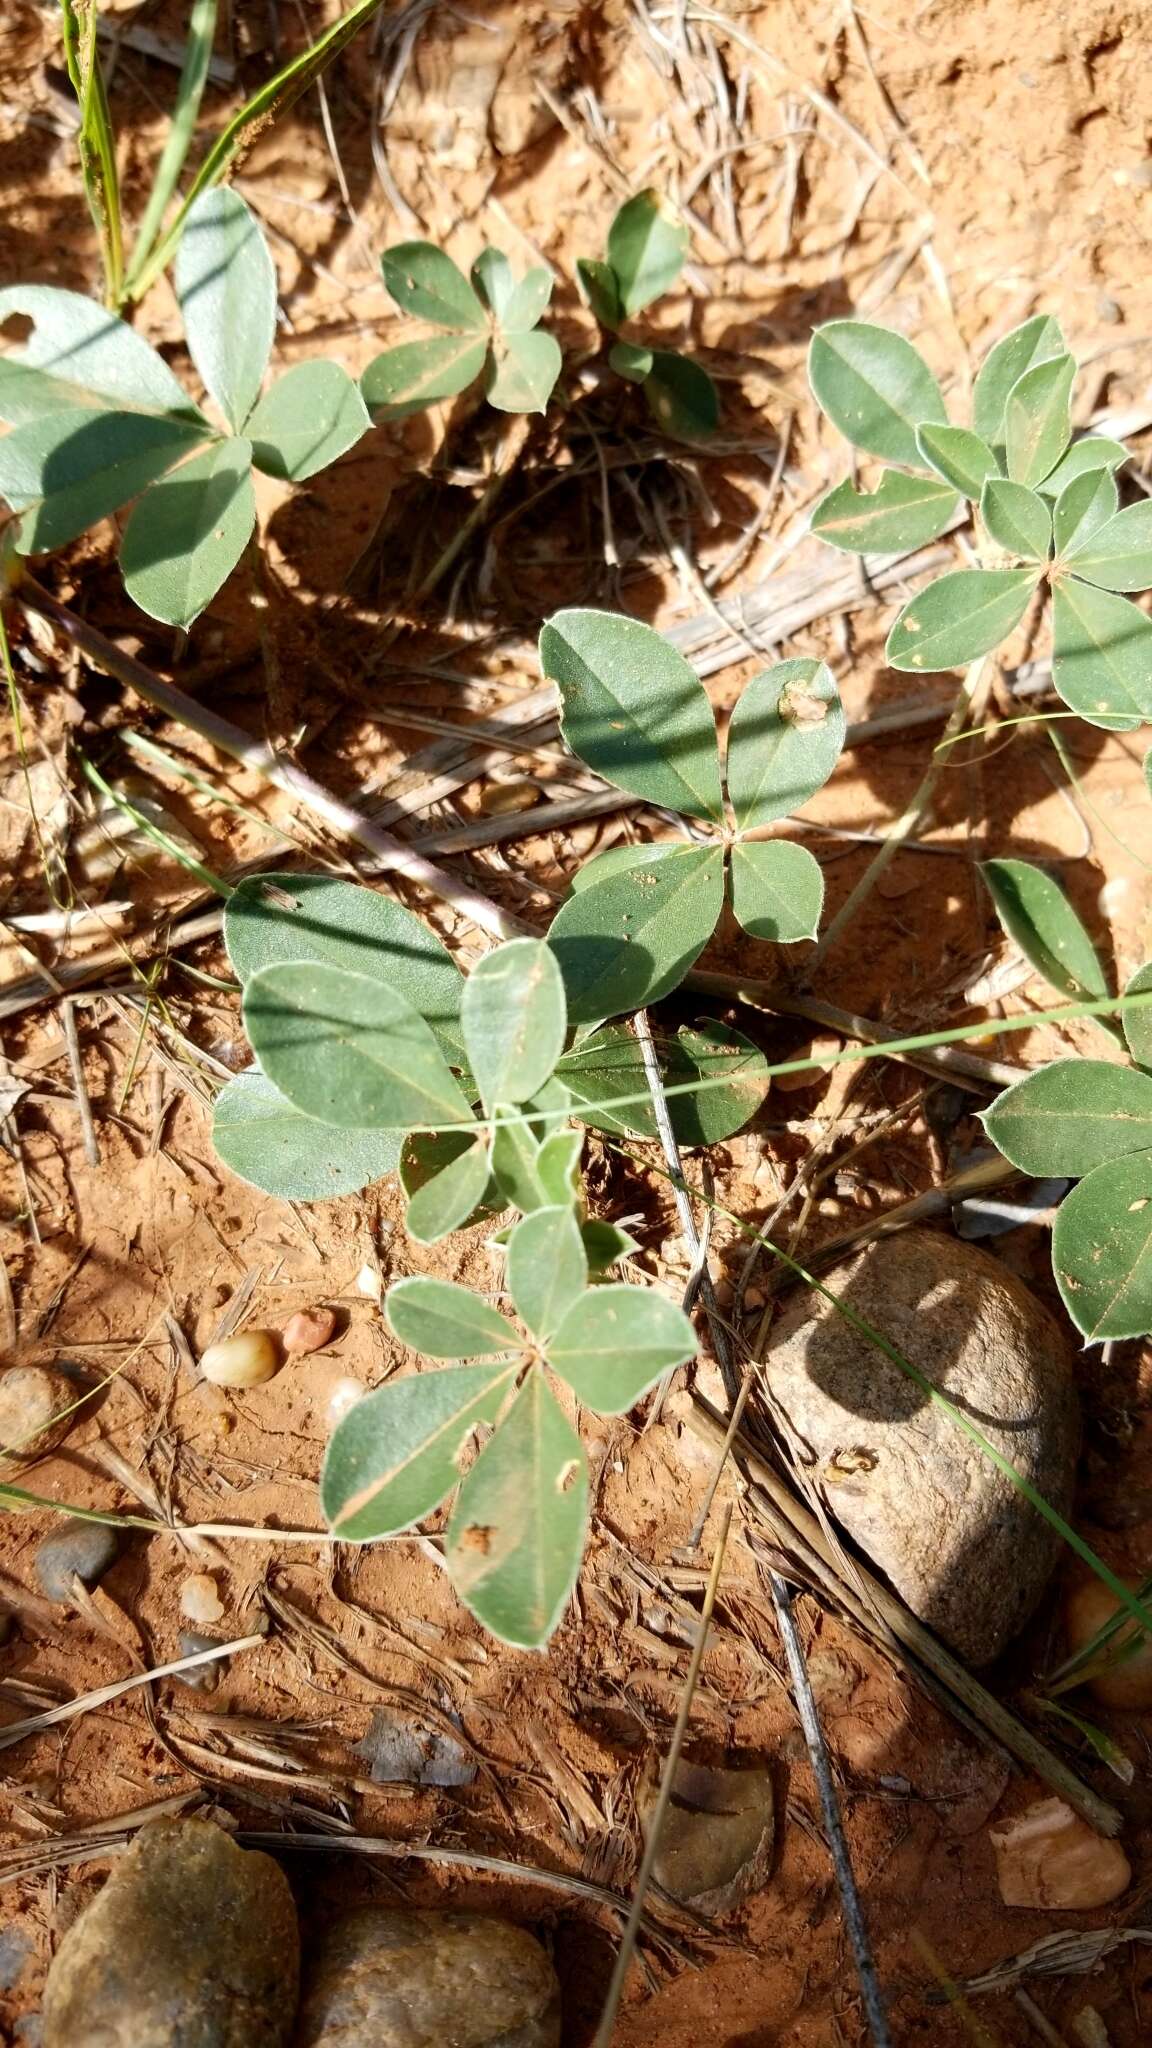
(1048, 507)
(487, 327)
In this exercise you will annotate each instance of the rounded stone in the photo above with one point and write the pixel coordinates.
(191, 1941)
(246, 1360)
(33, 1421)
(404, 1980)
(76, 1550)
(953, 1535)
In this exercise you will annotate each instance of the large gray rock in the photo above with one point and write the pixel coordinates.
(952, 1533)
(428, 1980)
(192, 1943)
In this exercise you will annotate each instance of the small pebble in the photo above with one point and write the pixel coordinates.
(344, 1395)
(1052, 1861)
(31, 1422)
(1126, 1681)
(310, 1329)
(205, 1677)
(199, 1599)
(246, 1360)
(83, 1550)
(381, 1979)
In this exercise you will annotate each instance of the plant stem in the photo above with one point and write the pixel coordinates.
(189, 92)
(968, 707)
(95, 142)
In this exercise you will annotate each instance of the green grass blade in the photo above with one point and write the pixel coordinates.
(95, 141)
(189, 92)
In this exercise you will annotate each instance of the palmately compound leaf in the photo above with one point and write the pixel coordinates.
(447, 1200)
(902, 512)
(444, 1320)
(875, 387)
(76, 340)
(64, 472)
(1138, 1023)
(1102, 1250)
(647, 244)
(784, 739)
(616, 1342)
(514, 1020)
(349, 1049)
(226, 285)
(1101, 655)
(598, 283)
(1035, 912)
(777, 890)
(516, 1536)
(1118, 555)
(425, 282)
(187, 532)
(547, 1268)
(630, 360)
(959, 617)
(1038, 420)
(1072, 1116)
(958, 455)
(1037, 341)
(1090, 452)
(608, 1065)
(1086, 503)
(311, 416)
(522, 371)
(1019, 520)
(395, 1456)
(273, 918)
(627, 941)
(269, 1144)
(528, 301)
(681, 396)
(634, 710)
(419, 373)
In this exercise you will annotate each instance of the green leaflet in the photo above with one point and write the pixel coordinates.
(395, 1456)
(494, 281)
(426, 283)
(448, 1199)
(1091, 452)
(514, 1020)
(273, 918)
(1038, 340)
(1086, 503)
(516, 1167)
(547, 1268)
(616, 1341)
(349, 1049)
(420, 373)
(1118, 554)
(958, 618)
(959, 456)
(875, 387)
(784, 739)
(65, 471)
(76, 339)
(647, 244)
(627, 941)
(1072, 1116)
(1038, 420)
(598, 283)
(1018, 519)
(187, 532)
(517, 1531)
(527, 302)
(522, 372)
(630, 360)
(1102, 1250)
(1138, 1023)
(269, 1144)
(425, 1156)
(311, 416)
(634, 710)
(226, 285)
(1101, 655)
(608, 1064)
(1034, 911)
(777, 890)
(446, 1321)
(681, 396)
(902, 512)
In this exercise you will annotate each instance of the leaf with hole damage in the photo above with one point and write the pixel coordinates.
(1118, 555)
(681, 396)
(448, 1199)
(1101, 655)
(514, 1020)
(1038, 420)
(1035, 912)
(186, 533)
(547, 1268)
(310, 417)
(76, 340)
(1102, 1250)
(226, 284)
(444, 1320)
(1038, 340)
(777, 890)
(957, 455)
(902, 512)
(1086, 503)
(647, 244)
(64, 472)
(1019, 520)
(875, 387)
(415, 374)
(608, 1064)
(425, 282)
(959, 617)
(616, 1342)
(784, 739)
(522, 372)
(634, 710)
(349, 1049)
(266, 1142)
(1090, 452)
(396, 1455)
(1072, 1116)
(627, 941)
